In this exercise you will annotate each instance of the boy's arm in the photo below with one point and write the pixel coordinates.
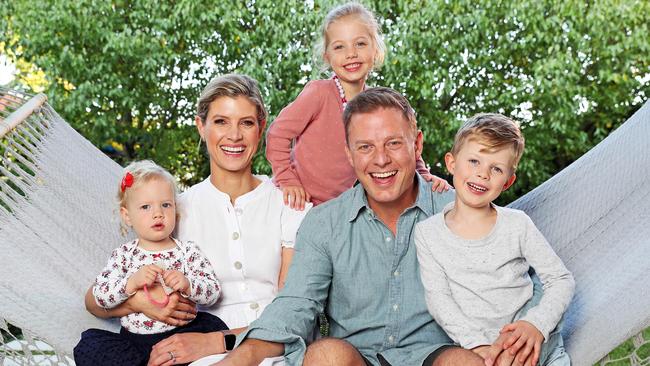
(557, 281)
(440, 302)
(289, 124)
(204, 286)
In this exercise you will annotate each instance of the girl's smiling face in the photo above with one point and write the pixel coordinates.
(350, 49)
(231, 133)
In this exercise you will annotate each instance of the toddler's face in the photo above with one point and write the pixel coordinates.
(480, 173)
(151, 211)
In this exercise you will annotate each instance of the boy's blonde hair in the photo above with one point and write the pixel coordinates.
(366, 16)
(494, 130)
(141, 172)
(231, 85)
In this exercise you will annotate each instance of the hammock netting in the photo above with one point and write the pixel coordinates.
(58, 224)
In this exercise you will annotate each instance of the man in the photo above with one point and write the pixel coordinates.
(355, 259)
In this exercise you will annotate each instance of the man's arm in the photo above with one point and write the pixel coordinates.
(252, 352)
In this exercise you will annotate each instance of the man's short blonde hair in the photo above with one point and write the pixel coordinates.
(493, 130)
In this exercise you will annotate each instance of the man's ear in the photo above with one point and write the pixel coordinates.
(419, 144)
(450, 162)
(124, 214)
(348, 153)
(510, 181)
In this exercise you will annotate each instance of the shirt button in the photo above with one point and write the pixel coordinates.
(391, 339)
(396, 273)
(238, 265)
(235, 235)
(254, 305)
(395, 307)
(387, 239)
(239, 211)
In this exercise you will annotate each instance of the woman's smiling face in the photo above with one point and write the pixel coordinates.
(232, 134)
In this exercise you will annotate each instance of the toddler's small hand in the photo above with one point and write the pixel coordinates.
(295, 197)
(146, 275)
(437, 184)
(524, 334)
(177, 281)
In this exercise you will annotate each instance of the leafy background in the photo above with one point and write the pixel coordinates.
(126, 74)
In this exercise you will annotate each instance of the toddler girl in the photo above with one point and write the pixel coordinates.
(147, 199)
(306, 143)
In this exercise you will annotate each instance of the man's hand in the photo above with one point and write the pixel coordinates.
(295, 197)
(252, 352)
(437, 184)
(146, 275)
(177, 281)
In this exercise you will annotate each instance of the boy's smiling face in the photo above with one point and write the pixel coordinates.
(480, 173)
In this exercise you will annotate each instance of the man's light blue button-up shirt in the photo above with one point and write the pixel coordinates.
(350, 265)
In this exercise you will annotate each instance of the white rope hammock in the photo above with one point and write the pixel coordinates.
(58, 225)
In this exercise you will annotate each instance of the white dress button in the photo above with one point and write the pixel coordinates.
(239, 211)
(235, 235)
(238, 265)
(255, 305)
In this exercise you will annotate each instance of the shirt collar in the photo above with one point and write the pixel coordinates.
(423, 200)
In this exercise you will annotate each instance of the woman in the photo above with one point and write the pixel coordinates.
(238, 219)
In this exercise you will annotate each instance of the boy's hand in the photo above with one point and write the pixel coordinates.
(177, 281)
(437, 184)
(524, 334)
(144, 276)
(295, 197)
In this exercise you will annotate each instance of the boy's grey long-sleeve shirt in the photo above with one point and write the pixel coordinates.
(475, 287)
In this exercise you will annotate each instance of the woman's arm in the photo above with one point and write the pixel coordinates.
(179, 311)
(287, 256)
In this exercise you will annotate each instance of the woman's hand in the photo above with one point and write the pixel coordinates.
(295, 197)
(185, 348)
(437, 184)
(178, 311)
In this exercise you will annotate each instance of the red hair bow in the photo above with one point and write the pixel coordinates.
(127, 181)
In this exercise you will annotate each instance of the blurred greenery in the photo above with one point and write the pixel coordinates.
(126, 74)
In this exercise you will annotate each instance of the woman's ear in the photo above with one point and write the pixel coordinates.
(199, 126)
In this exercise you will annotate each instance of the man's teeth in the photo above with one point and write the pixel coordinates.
(478, 188)
(232, 149)
(384, 175)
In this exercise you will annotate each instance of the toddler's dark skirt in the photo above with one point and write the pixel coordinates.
(100, 347)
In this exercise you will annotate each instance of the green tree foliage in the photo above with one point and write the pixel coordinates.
(126, 74)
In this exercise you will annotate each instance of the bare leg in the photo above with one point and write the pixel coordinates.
(332, 352)
(456, 356)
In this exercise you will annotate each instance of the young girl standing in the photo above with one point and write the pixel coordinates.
(147, 198)
(316, 167)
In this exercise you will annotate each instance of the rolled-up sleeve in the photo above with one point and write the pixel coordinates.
(291, 317)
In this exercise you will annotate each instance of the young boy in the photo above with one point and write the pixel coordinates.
(474, 256)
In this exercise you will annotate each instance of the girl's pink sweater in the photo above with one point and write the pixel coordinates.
(317, 160)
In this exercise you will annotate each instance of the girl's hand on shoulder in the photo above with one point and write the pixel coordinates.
(295, 197)
(186, 347)
(177, 281)
(437, 184)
